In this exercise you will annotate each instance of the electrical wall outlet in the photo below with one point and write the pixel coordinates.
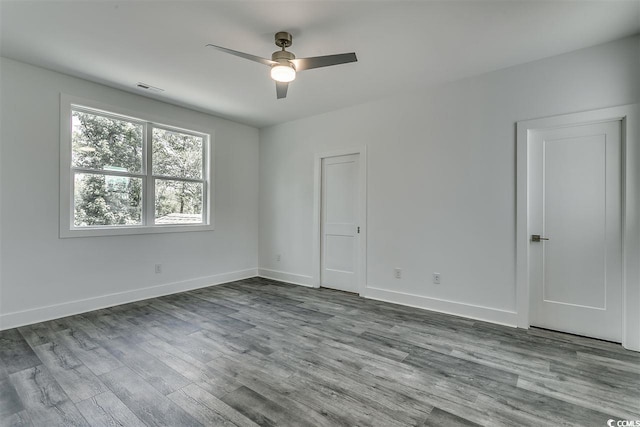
(436, 278)
(158, 268)
(397, 273)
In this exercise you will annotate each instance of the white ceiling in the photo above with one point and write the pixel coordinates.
(401, 46)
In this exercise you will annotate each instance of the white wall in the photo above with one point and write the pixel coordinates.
(43, 276)
(441, 177)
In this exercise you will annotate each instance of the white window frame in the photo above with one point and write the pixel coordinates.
(148, 226)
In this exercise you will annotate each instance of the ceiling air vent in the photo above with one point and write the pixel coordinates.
(149, 87)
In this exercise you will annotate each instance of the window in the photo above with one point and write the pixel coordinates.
(129, 175)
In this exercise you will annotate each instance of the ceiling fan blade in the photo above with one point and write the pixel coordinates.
(248, 56)
(302, 64)
(281, 89)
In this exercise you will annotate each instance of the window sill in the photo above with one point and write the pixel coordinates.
(131, 230)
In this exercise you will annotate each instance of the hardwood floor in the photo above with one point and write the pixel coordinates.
(267, 353)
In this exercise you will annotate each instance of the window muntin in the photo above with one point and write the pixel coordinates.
(130, 173)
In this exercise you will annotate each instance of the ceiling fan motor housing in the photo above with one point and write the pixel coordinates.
(282, 56)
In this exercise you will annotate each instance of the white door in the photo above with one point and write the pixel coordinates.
(339, 224)
(575, 202)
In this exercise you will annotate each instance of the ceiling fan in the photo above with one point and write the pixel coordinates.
(284, 65)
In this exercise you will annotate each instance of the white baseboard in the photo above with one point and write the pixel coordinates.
(41, 314)
(295, 279)
(486, 314)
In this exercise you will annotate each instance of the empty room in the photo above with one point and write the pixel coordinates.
(320, 213)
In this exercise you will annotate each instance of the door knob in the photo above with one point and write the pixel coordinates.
(537, 238)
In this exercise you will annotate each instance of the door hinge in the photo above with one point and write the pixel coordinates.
(358, 230)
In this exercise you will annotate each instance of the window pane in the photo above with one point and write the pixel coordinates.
(177, 154)
(178, 202)
(105, 143)
(107, 200)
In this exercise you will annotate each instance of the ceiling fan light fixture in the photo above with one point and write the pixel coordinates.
(283, 73)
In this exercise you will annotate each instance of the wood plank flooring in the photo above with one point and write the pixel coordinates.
(261, 352)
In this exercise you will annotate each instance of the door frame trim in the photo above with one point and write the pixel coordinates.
(628, 115)
(362, 213)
